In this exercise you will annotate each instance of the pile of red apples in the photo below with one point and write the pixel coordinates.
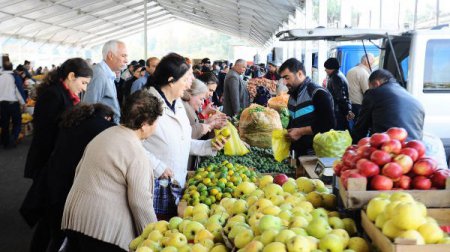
(389, 162)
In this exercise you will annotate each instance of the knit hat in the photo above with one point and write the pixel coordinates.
(331, 63)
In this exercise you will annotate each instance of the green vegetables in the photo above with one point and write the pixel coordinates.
(284, 116)
(259, 158)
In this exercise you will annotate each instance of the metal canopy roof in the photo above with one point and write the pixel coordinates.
(86, 23)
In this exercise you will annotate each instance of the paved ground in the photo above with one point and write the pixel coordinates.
(15, 234)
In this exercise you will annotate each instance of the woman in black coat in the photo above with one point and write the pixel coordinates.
(59, 91)
(78, 127)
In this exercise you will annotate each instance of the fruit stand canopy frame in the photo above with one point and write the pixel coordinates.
(86, 23)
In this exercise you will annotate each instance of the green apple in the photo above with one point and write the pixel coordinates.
(286, 206)
(203, 235)
(319, 213)
(199, 248)
(358, 244)
(200, 208)
(401, 196)
(253, 246)
(413, 235)
(298, 221)
(251, 200)
(391, 230)
(254, 219)
(305, 185)
(186, 248)
(237, 229)
(407, 216)
(218, 218)
(276, 199)
(183, 224)
(162, 226)
(191, 229)
(188, 211)
(271, 210)
(299, 231)
(245, 188)
(177, 240)
(431, 232)
(169, 249)
(290, 186)
(445, 240)
(333, 214)
(155, 235)
(275, 247)
(336, 222)
(219, 248)
(244, 238)
(269, 222)
(215, 229)
(240, 206)
(151, 244)
(331, 243)
(147, 230)
(268, 236)
(329, 201)
(144, 249)
(306, 205)
(313, 242)
(390, 209)
(265, 180)
(285, 235)
(258, 193)
(380, 220)
(207, 243)
(350, 226)
(422, 208)
(201, 217)
(342, 234)
(174, 222)
(375, 207)
(318, 228)
(134, 244)
(315, 198)
(272, 189)
(298, 243)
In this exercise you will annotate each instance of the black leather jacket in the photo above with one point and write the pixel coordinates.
(338, 86)
(386, 106)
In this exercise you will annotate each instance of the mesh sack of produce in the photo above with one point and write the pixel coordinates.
(253, 83)
(332, 143)
(256, 125)
(278, 102)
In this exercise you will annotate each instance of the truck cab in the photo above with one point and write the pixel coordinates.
(419, 59)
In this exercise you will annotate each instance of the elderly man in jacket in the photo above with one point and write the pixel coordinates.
(235, 93)
(102, 88)
(387, 104)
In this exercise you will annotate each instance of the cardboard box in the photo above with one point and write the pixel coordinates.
(356, 195)
(384, 244)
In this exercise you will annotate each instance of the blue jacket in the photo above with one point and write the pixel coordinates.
(102, 89)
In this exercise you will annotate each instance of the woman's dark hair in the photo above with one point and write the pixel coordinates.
(171, 66)
(83, 111)
(140, 107)
(76, 65)
(208, 77)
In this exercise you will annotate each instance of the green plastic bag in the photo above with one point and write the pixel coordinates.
(332, 143)
(234, 146)
(280, 144)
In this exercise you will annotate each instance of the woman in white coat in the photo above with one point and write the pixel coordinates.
(170, 145)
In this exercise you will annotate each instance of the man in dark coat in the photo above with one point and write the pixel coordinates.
(386, 104)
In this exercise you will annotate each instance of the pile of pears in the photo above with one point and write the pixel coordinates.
(263, 216)
(400, 216)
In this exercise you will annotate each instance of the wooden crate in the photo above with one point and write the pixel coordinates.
(383, 243)
(356, 195)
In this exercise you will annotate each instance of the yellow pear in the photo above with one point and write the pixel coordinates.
(431, 232)
(407, 216)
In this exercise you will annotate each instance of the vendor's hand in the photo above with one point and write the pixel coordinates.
(219, 143)
(168, 173)
(350, 116)
(294, 134)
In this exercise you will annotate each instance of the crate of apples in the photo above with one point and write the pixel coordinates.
(386, 161)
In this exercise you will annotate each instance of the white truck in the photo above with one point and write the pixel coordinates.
(419, 59)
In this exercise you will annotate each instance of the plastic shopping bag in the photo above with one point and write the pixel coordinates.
(234, 146)
(280, 144)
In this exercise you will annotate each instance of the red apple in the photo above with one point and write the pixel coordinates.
(392, 170)
(367, 168)
(345, 174)
(377, 139)
(280, 179)
(404, 182)
(404, 161)
(380, 157)
(397, 133)
(364, 141)
(439, 177)
(346, 157)
(425, 166)
(337, 167)
(421, 183)
(380, 182)
(365, 151)
(413, 153)
(351, 147)
(418, 145)
(392, 146)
